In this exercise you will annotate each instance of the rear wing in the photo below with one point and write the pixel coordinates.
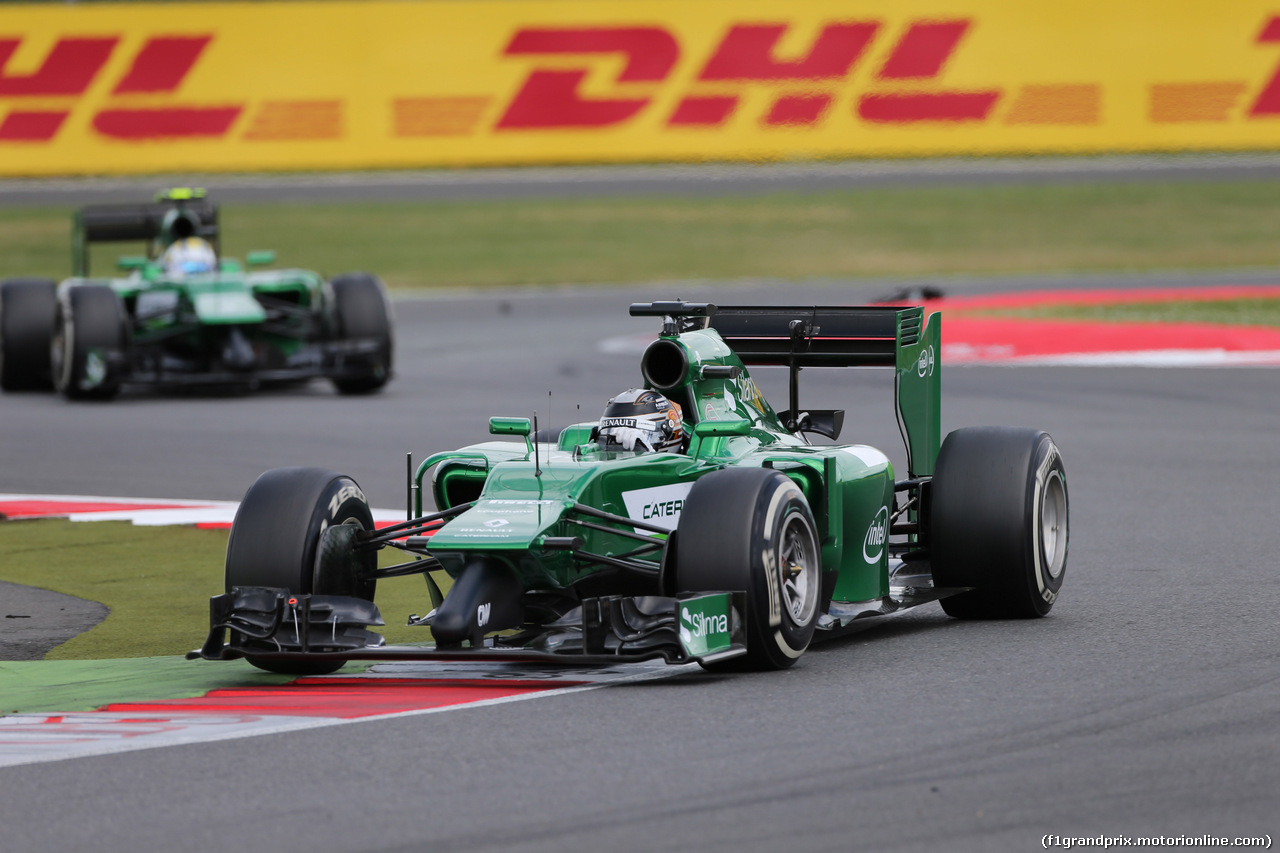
(842, 336)
(796, 337)
(166, 219)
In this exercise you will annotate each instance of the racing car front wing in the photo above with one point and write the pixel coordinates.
(149, 364)
(270, 624)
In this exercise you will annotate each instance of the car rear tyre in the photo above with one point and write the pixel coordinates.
(751, 529)
(363, 311)
(27, 308)
(276, 541)
(999, 522)
(90, 333)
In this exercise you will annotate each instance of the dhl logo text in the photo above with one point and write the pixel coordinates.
(907, 88)
(686, 82)
(747, 55)
(73, 64)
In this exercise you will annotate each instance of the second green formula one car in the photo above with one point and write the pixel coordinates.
(183, 315)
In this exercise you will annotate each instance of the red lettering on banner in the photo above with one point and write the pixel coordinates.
(141, 125)
(746, 53)
(651, 52)
(704, 110)
(923, 50)
(159, 67)
(1268, 102)
(31, 126)
(69, 68)
(162, 63)
(797, 110)
(550, 99)
(920, 55)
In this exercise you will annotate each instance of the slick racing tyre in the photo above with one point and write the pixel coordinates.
(998, 522)
(27, 308)
(362, 311)
(277, 540)
(751, 529)
(90, 333)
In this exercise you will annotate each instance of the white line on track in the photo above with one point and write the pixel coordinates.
(76, 508)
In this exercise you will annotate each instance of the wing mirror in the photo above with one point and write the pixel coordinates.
(510, 426)
(513, 426)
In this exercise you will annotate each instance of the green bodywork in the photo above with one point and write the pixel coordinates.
(529, 497)
(164, 308)
(190, 316)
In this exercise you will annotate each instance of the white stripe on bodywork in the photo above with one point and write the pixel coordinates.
(869, 456)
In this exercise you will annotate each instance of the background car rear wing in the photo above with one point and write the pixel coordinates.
(174, 215)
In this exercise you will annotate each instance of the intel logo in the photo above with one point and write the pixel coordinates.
(877, 535)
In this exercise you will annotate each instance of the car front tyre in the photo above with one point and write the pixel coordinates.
(27, 308)
(90, 333)
(363, 311)
(276, 541)
(751, 529)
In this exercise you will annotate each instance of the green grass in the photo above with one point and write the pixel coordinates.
(156, 580)
(846, 233)
(1234, 312)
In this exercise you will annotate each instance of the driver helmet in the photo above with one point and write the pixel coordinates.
(640, 420)
(189, 255)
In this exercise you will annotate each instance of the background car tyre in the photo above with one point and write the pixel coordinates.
(276, 535)
(751, 529)
(90, 333)
(362, 310)
(998, 522)
(27, 308)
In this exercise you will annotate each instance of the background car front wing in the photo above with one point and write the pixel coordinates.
(325, 360)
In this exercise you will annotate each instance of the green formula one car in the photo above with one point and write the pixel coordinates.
(692, 522)
(183, 315)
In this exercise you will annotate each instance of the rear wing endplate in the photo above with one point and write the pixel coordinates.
(842, 336)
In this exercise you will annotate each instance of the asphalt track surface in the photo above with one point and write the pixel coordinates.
(1145, 704)
(708, 179)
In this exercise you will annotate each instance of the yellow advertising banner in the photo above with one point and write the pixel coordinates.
(113, 88)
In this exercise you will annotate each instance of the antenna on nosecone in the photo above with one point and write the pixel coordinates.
(537, 468)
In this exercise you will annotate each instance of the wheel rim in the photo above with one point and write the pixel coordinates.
(798, 569)
(1053, 525)
(338, 572)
